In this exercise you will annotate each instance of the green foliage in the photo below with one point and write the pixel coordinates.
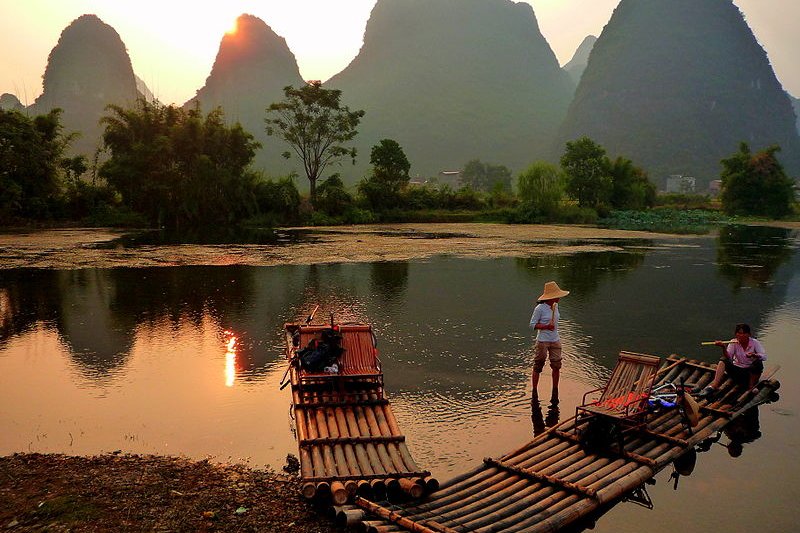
(484, 177)
(684, 201)
(756, 184)
(32, 163)
(279, 199)
(389, 163)
(541, 189)
(665, 221)
(389, 177)
(178, 167)
(586, 168)
(332, 197)
(316, 126)
(630, 186)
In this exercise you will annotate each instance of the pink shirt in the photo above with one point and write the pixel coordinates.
(739, 356)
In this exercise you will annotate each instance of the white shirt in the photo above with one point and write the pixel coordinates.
(739, 355)
(542, 314)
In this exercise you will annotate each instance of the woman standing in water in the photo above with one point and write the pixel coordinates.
(548, 343)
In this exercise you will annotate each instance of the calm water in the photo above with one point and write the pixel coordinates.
(187, 360)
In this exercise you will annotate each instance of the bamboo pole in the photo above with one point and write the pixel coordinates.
(372, 453)
(392, 516)
(349, 451)
(316, 455)
(392, 462)
(350, 517)
(360, 450)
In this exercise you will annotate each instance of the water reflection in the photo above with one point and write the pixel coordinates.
(743, 430)
(584, 272)
(750, 255)
(230, 359)
(540, 422)
(389, 279)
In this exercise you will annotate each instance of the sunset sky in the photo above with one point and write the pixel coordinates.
(173, 43)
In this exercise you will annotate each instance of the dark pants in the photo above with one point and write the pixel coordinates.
(741, 376)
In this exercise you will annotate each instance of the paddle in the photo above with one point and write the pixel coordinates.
(712, 343)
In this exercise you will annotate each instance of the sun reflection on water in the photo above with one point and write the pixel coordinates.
(230, 358)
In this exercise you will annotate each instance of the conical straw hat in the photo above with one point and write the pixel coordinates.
(552, 291)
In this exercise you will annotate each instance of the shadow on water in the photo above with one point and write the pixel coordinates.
(749, 256)
(734, 437)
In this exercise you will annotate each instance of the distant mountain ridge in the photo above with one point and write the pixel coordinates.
(88, 69)
(455, 80)
(577, 64)
(796, 106)
(676, 85)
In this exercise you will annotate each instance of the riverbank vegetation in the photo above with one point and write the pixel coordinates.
(181, 169)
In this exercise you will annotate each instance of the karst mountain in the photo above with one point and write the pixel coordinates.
(455, 80)
(676, 85)
(252, 67)
(577, 64)
(88, 69)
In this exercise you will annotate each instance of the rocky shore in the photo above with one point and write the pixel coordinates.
(117, 492)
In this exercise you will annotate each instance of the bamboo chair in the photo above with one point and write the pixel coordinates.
(623, 401)
(358, 363)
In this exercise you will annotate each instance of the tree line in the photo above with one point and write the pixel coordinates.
(165, 166)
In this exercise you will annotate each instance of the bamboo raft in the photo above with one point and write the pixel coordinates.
(553, 481)
(349, 440)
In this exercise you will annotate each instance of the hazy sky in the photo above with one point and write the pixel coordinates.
(173, 43)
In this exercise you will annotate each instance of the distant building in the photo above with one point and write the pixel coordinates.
(680, 184)
(714, 188)
(450, 177)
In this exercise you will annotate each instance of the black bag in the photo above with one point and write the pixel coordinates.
(320, 353)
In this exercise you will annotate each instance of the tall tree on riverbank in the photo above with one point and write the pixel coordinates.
(179, 167)
(316, 126)
(586, 167)
(756, 184)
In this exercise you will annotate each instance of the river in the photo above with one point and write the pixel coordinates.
(186, 359)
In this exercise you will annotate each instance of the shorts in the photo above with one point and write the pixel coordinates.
(739, 375)
(542, 351)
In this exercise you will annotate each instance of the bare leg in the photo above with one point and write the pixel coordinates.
(718, 375)
(754, 379)
(535, 383)
(556, 375)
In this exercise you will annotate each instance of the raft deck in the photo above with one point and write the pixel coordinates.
(349, 441)
(553, 481)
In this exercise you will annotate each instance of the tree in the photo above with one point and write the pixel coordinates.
(630, 186)
(332, 196)
(316, 126)
(179, 167)
(32, 163)
(586, 167)
(390, 164)
(756, 184)
(389, 176)
(484, 177)
(541, 187)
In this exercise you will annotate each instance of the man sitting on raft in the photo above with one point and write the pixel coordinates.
(742, 360)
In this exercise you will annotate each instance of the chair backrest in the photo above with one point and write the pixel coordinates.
(360, 356)
(630, 383)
